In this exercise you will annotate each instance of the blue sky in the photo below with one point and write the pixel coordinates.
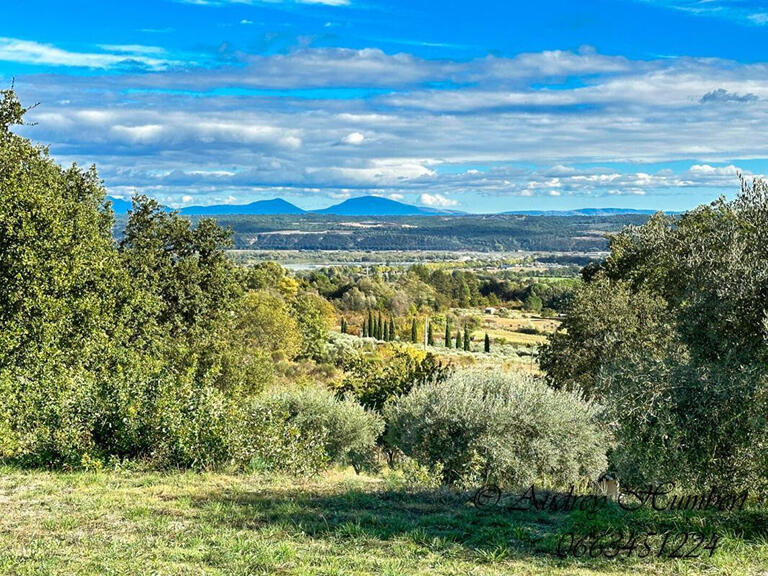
(480, 106)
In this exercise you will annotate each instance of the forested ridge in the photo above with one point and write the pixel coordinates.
(501, 232)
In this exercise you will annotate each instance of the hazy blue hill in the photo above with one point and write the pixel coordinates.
(582, 212)
(377, 206)
(274, 206)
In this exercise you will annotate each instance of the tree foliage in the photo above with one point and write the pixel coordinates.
(671, 332)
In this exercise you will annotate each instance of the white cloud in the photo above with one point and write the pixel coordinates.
(187, 198)
(138, 134)
(437, 200)
(354, 138)
(621, 117)
(378, 172)
(133, 49)
(706, 169)
(741, 11)
(29, 52)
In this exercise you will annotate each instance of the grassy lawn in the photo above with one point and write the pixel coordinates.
(185, 523)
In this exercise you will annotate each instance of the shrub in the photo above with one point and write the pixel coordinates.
(63, 418)
(409, 475)
(391, 371)
(504, 428)
(301, 431)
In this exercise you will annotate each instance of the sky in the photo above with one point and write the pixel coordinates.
(481, 106)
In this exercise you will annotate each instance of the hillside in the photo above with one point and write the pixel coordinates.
(377, 206)
(442, 232)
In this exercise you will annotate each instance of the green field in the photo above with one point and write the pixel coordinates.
(185, 523)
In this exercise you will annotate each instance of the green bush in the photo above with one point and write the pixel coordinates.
(302, 431)
(62, 418)
(494, 427)
(374, 378)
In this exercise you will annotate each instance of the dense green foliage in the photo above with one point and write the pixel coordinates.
(146, 349)
(503, 428)
(423, 289)
(671, 332)
(375, 379)
(304, 431)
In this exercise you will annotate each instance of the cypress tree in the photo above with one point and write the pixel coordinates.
(343, 325)
(371, 331)
(447, 334)
(430, 336)
(487, 343)
(414, 332)
(385, 336)
(458, 338)
(379, 328)
(365, 328)
(466, 340)
(391, 328)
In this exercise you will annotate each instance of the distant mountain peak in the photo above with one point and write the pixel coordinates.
(378, 206)
(267, 207)
(363, 206)
(581, 212)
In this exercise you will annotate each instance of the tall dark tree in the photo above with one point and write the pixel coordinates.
(430, 336)
(343, 325)
(458, 338)
(385, 335)
(466, 340)
(371, 326)
(487, 346)
(391, 329)
(447, 335)
(414, 332)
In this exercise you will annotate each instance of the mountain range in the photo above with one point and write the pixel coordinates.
(274, 206)
(361, 206)
(581, 212)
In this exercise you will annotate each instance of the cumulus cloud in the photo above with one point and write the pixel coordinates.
(179, 135)
(706, 169)
(437, 200)
(354, 138)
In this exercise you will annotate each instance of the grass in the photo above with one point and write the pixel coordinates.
(519, 328)
(338, 524)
